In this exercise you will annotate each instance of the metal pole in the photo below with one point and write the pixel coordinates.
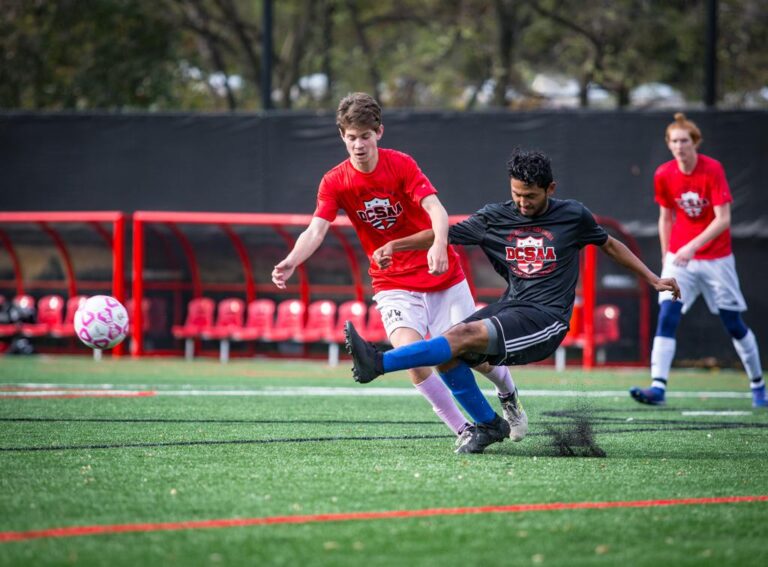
(266, 57)
(118, 268)
(137, 323)
(710, 68)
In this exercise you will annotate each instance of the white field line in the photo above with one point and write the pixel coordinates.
(29, 389)
(721, 413)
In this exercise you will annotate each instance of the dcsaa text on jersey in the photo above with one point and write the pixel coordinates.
(380, 213)
(529, 255)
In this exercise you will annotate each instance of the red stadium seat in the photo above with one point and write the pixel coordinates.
(67, 327)
(606, 331)
(50, 314)
(289, 322)
(259, 322)
(321, 321)
(229, 318)
(354, 311)
(199, 320)
(145, 307)
(374, 331)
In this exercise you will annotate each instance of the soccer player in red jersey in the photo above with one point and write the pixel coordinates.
(694, 230)
(387, 196)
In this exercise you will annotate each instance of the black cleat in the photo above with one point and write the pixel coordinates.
(364, 355)
(475, 438)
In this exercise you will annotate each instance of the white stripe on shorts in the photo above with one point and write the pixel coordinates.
(544, 335)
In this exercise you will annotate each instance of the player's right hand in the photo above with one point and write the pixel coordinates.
(668, 284)
(281, 273)
(382, 256)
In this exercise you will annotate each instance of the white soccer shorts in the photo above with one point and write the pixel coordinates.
(428, 313)
(715, 279)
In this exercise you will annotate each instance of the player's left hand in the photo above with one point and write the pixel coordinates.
(683, 256)
(437, 259)
(668, 284)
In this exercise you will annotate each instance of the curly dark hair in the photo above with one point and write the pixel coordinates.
(530, 167)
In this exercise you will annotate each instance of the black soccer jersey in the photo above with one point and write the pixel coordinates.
(539, 257)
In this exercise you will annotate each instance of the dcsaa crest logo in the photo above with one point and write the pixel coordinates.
(530, 254)
(692, 203)
(380, 213)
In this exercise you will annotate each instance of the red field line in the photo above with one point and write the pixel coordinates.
(73, 531)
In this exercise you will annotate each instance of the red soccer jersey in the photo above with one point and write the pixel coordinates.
(384, 205)
(693, 197)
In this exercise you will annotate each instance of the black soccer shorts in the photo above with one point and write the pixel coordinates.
(525, 333)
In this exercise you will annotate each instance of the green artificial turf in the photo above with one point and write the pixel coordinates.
(100, 461)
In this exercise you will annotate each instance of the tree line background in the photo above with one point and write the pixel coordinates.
(206, 55)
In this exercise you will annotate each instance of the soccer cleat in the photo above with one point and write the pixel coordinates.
(758, 398)
(363, 355)
(515, 416)
(463, 432)
(475, 438)
(650, 396)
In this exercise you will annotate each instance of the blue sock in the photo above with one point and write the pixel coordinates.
(733, 322)
(670, 313)
(461, 383)
(422, 353)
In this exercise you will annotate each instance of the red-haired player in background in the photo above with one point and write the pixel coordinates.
(694, 229)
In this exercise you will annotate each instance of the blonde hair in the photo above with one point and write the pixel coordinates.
(682, 123)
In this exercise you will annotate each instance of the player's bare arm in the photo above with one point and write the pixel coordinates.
(306, 244)
(419, 241)
(437, 256)
(666, 220)
(624, 257)
(719, 224)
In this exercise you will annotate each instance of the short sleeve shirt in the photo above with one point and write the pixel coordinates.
(384, 205)
(539, 256)
(693, 197)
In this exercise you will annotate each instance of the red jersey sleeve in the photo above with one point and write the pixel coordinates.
(417, 185)
(327, 206)
(721, 192)
(663, 197)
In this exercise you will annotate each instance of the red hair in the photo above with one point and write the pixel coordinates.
(682, 123)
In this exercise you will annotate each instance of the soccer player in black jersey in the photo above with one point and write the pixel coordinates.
(533, 241)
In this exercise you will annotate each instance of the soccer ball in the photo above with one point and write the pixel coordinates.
(101, 322)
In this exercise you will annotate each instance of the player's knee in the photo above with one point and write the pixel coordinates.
(733, 322)
(465, 337)
(448, 366)
(670, 313)
(418, 375)
(483, 367)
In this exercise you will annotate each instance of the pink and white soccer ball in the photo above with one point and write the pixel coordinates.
(101, 322)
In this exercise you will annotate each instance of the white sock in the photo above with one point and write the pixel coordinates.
(746, 347)
(662, 355)
(438, 394)
(501, 378)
